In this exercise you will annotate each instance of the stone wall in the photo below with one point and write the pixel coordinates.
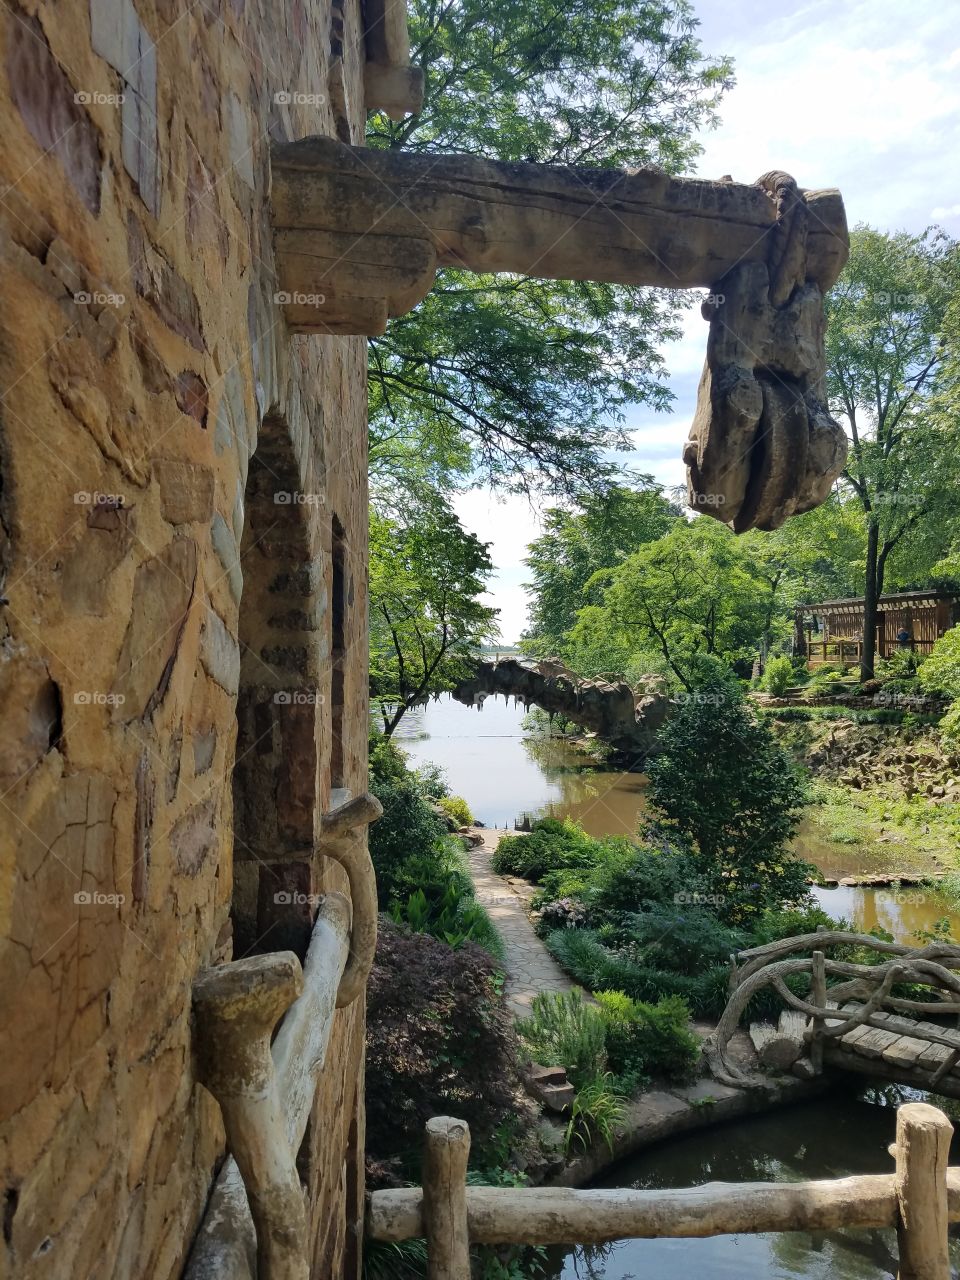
(177, 474)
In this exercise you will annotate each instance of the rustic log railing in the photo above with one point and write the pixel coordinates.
(866, 996)
(919, 1199)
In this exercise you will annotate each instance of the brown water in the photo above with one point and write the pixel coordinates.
(505, 775)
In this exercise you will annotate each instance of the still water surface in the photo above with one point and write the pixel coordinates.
(834, 1138)
(504, 776)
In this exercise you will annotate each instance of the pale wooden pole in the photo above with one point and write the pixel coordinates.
(922, 1154)
(818, 996)
(445, 1155)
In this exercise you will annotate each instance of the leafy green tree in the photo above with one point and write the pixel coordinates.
(889, 369)
(517, 381)
(725, 787)
(427, 616)
(691, 594)
(600, 532)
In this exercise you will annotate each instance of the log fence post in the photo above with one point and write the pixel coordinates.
(922, 1153)
(445, 1156)
(818, 996)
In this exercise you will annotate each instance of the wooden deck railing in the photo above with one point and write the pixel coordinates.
(919, 1199)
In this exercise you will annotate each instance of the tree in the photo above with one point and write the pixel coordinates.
(888, 362)
(427, 618)
(516, 381)
(690, 594)
(600, 531)
(723, 784)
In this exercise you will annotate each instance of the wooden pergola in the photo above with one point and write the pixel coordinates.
(832, 630)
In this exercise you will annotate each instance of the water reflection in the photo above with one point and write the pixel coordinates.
(829, 1139)
(505, 775)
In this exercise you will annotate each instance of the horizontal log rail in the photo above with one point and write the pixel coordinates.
(919, 1199)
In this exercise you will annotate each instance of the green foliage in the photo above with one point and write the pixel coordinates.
(427, 617)
(691, 593)
(597, 1108)
(564, 1031)
(458, 809)
(892, 379)
(551, 844)
(778, 676)
(602, 968)
(940, 673)
(605, 527)
(649, 1040)
(394, 1260)
(422, 878)
(726, 788)
(524, 382)
(950, 727)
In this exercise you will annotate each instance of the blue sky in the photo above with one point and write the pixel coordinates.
(863, 95)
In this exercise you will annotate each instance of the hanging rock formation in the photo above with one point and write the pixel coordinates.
(627, 718)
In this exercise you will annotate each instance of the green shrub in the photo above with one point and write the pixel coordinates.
(950, 727)
(600, 968)
(563, 1030)
(726, 787)
(458, 809)
(597, 1108)
(551, 845)
(940, 673)
(778, 676)
(649, 1040)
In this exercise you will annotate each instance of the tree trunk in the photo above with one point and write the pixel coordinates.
(870, 598)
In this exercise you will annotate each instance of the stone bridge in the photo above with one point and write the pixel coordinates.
(627, 718)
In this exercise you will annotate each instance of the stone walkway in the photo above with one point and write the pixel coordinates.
(529, 965)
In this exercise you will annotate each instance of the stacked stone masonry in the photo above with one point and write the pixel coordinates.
(175, 471)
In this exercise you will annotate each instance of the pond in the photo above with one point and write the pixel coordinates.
(506, 775)
(832, 1138)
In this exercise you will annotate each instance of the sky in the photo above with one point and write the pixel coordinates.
(863, 95)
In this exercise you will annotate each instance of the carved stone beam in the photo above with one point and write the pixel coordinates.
(360, 234)
(366, 230)
(341, 839)
(236, 1007)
